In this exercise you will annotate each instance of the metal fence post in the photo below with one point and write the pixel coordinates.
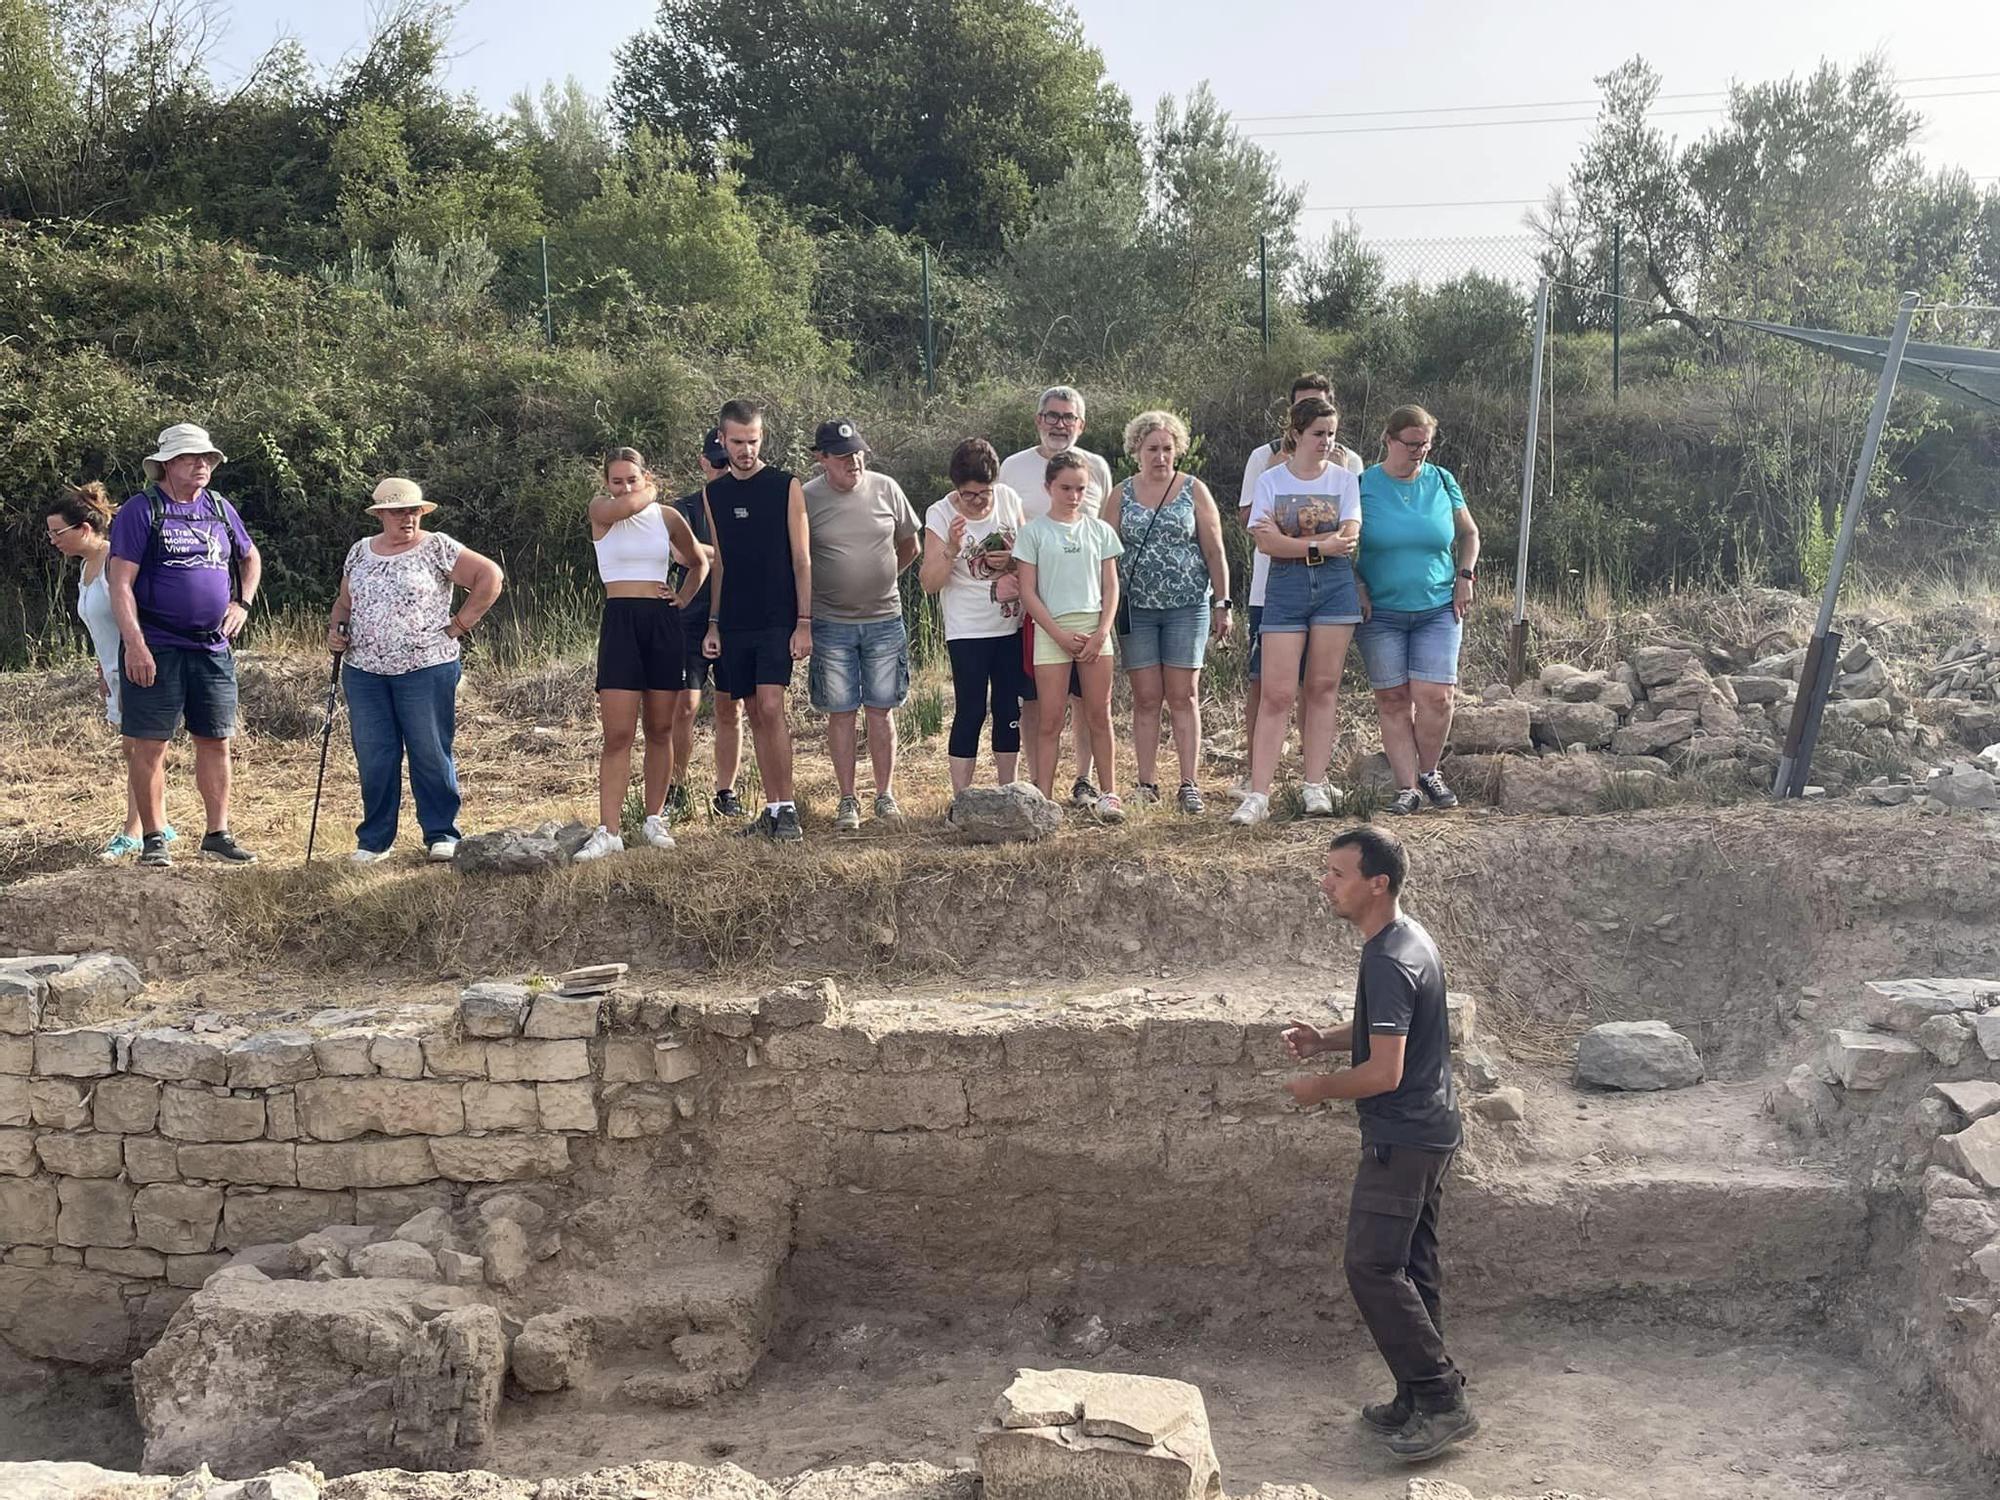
(548, 303)
(1264, 290)
(1517, 636)
(930, 342)
(1617, 299)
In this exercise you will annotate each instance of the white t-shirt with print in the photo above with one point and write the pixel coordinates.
(1306, 507)
(1263, 457)
(977, 602)
(1026, 474)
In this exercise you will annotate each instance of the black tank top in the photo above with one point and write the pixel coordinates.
(759, 591)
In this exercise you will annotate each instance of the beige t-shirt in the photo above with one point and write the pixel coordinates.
(854, 537)
(1026, 474)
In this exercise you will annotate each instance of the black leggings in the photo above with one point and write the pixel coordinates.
(981, 666)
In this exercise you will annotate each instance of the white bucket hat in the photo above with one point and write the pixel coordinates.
(175, 442)
(401, 494)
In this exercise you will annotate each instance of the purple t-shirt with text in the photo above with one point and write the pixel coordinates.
(183, 590)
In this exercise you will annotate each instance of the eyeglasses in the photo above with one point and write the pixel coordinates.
(1430, 441)
(56, 536)
(976, 497)
(1059, 418)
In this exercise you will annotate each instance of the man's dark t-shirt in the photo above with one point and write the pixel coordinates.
(1401, 992)
(753, 534)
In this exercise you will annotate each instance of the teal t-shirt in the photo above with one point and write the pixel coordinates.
(1406, 538)
(1069, 560)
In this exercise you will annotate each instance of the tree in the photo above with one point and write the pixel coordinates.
(567, 142)
(1078, 285)
(938, 117)
(1339, 282)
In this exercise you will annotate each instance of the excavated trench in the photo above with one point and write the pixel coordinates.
(799, 1231)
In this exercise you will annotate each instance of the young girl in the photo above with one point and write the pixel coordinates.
(969, 564)
(641, 643)
(1068, 562)
(79, 526)
(1306, 518)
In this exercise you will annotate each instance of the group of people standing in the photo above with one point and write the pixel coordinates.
(1048, 575)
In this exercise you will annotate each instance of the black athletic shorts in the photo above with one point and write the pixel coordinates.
(697, 667)
(752, 659)
(641, 647)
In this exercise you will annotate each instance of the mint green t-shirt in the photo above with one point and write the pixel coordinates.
(1407, 529)
(1068, 558)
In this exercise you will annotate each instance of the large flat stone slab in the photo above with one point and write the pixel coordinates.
(1097, 1435)
(1865, 1060)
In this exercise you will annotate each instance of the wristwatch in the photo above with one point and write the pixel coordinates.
(1468, 575)
(1314, 557)
(1225, 604)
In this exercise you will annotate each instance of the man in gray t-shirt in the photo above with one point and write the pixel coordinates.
(1400, 1081)
(864, 532)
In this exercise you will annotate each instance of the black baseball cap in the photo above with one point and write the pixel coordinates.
(712, 451)
(838, 438)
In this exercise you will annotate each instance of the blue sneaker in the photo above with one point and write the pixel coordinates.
(120, 846)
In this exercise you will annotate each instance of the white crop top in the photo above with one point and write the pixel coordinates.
(636, 549)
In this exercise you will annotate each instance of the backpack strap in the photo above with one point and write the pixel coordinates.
(156, 525)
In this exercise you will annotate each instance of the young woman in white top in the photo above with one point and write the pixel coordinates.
(1306, 518)
(79, 526)
(640, 646)
(969, 564)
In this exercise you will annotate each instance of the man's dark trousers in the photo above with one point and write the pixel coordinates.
(1393, 1268)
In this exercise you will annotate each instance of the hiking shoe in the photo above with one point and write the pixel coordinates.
(658, 834)
(1146, 793)
(367, 856)
(1390, 1417)
(1319, 799)
(1429, 1433)
(680, 806)
(442, 851)
(1254, 808)
(761, 826)
(599, 844)
(1191, 801)
(1083, 794)
(785, 827)
(222, 845)
(725, 804)
(1110, 808)
(121, 845)
(847, 817)
(1408, 800)
(153, 852)
(886, 806)
(1433, 787)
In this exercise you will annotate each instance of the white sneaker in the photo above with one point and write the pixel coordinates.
(367, 856)
(1318, 799)
(599, 844)
(658, 835)
(1241, 789)
(1256, 807)
(443, 850)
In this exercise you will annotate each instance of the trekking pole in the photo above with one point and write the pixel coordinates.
(325, 737)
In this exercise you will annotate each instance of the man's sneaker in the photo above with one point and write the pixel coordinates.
(121, 845)
(762, 826)
(1434, 788)
(658, 834)
(1191, 801)
(1429, 1433)
(367, 856)
(1146, 793)
(1390, 1417)
(847, 817)
(442, 851)
(599, 844)
(1254, 808)
(1318, 797)
(222, 845)
(1408, 800)
(153, 852)
(1110, 808)
(785, 827)
(886, 806)
(680, 806)
(1082, 793)
(725, 804)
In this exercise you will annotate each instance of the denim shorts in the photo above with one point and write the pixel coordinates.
(1397, 645)
(1166, 637)
(198, 687)
(859, 665)
(1299, 597)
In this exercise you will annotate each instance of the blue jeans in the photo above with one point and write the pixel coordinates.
(1398, 644)
(1298, 597)
(413, 713)
(1166, 637)
(859, 664)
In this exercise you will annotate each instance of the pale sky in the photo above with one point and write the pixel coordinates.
(1421, 64)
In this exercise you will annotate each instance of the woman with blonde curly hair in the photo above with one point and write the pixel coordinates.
(1174, 566)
